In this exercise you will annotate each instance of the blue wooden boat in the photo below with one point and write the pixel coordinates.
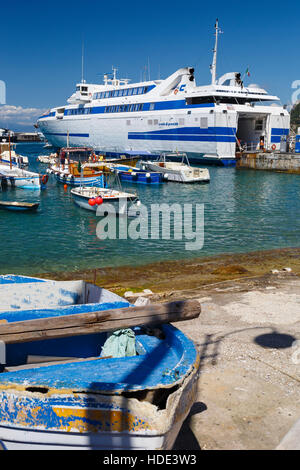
(136, 175)
(19, 206)
(61, 394)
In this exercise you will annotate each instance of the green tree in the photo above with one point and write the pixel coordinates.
(295, 116)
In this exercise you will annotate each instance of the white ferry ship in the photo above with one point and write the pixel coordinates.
(209, 123)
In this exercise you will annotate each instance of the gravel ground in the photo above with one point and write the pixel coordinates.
(248, 337)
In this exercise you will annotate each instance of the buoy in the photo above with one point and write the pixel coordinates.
(99, 200)
(92, 202)
(65, 187)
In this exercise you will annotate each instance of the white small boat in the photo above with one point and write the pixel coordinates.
(47, 159)
(8, 155)
(91, 197)
(19, 178)
(177, 171)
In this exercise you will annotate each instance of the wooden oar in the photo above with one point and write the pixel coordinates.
(98, 322)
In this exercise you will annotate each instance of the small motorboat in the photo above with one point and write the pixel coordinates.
(177, 171)
(19, 206)
(118, 202)
(131, 174)
(70, 381)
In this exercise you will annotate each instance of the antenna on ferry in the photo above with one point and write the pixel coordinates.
(82, 62)
(215, 51)
(148, 69)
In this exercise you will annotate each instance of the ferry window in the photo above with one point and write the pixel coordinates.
(141, 106)
(106, 94)
(145, 89)
(140, 90)
(204, 123)
(259, 125)
(77, 88)
(152, 106)
(84, 88)
(134, 91)
(129, 91)
(150, 122)
(155, 122)
(128, 123)
(126, 108)
(125, 92)
(181, 122)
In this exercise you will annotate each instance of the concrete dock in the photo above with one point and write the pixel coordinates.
(248, 337)
(285, 162)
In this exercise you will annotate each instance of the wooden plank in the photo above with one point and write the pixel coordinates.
(98, 322)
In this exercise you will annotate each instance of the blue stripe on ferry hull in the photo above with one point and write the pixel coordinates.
(216, 131)
(187, 138)
(196, 134)
(280, 131)
(65, 134)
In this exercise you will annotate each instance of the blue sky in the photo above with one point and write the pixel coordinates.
(41, 45)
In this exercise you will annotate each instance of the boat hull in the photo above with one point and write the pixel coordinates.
(23, 183)
(93, 422)
(96, 181)
(18, 207)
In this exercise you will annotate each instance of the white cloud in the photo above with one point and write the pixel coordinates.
(19, 115)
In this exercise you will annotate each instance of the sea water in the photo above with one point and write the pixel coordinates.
(244, 210)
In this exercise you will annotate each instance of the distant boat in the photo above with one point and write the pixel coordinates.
(177, 171)
(18, 206)
(47, 159)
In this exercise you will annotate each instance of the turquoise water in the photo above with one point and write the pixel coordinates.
(244, 211)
